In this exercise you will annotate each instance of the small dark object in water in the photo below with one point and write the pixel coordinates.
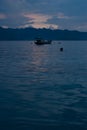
(61, 49)
(40, 41)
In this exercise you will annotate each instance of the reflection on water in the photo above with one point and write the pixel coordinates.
(43, 88)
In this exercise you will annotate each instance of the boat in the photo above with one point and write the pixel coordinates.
(40, 41)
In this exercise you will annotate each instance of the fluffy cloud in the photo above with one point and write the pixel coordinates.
(39, 21)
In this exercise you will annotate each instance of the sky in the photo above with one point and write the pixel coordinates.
(54, 14)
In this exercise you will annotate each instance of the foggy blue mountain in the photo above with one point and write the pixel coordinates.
(31, 33)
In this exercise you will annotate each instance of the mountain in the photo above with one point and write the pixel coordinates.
(32, 33)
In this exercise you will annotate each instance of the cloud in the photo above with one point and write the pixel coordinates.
(62, 16)
(5, 26)
(2, 16)
(41, 25)
(81, 27)
(38, 18)
(48, 13)
(39, 21)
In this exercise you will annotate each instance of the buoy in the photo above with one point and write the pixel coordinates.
(61, 49)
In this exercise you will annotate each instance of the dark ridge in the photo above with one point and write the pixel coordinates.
(32, 33)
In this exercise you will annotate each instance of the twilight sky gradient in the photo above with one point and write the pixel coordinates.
(61, 14)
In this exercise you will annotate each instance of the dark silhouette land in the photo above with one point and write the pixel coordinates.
(31, 33)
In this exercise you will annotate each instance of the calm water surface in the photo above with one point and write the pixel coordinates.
(43, 88)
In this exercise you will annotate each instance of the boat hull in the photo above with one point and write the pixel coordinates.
(41, 42)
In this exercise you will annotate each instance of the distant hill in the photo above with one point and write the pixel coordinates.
(32, 33)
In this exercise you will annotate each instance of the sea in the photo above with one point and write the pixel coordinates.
(42, 87)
